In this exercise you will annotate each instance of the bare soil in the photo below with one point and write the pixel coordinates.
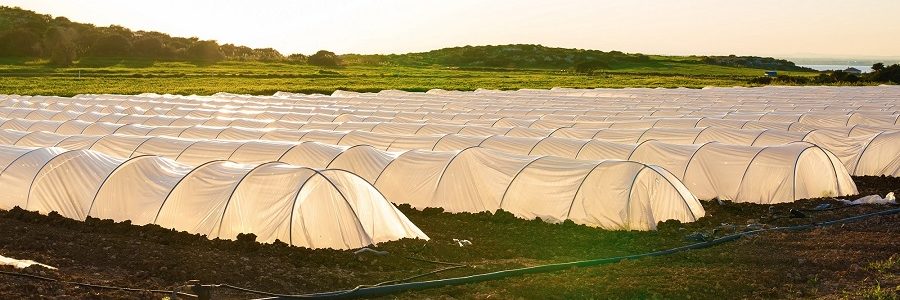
(856, 260)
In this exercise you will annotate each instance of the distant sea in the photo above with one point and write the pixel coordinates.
(865, 69)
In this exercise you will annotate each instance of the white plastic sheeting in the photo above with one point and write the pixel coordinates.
(21, 263)
(710, 170)
(517, 134)
(847, 143)
(818, 106)
(873, 199)
(219, 199)
(628, 195)
(608, 194)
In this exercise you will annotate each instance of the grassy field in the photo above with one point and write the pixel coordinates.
(34, 77)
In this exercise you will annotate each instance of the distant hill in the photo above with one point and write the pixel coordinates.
(755, 62)
(502, 56)
(28, 34)
(542, 57)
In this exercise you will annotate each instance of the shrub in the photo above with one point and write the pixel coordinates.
(590, 66)
(62, 55)
(20, 43)
(113, 45)
(884, 73)
(150, 47)
(296, 57)
(761, 80)
(205, 51)
(324, 58)
(59, 41)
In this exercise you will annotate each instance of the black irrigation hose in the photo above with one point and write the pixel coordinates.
(418, 276)
(829, 208)
(280, 296)
(96, 286)
(452, 266)
(420, 285)
(246, 290)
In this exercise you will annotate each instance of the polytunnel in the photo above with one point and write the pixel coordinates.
(522, 103)
(462, 183)
(369, 162)
(220, 199)
(232, 118)
(608, 194)
(766, 175)
(883, 147)
(710, 170)
(427, 128)
(847, 148)
(761, 136)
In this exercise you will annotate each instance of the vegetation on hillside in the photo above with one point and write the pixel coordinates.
(27, 77)
(40, 54)
(24, 33)
(503, 56)
(755, 62)
(880, 74)
(61, 42)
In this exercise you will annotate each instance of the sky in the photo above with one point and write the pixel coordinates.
(782, 28)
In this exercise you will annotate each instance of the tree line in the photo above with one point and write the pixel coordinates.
(756, 62)
(515, 56)
(881, 73)
(24, 33)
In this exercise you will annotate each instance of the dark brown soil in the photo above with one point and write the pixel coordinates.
(855, 260)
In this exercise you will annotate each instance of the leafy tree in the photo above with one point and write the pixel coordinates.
(823, 78)
(324, 58)
(59, 41)
(205, 51)
(267, 54)
(878, 66)
(62, 55)
(236, 52)
(757, 62)
(113, 45)
(761, 80)
(20, 43)
(297, 57)
(841, 76)
(885, 74)
(150, 47)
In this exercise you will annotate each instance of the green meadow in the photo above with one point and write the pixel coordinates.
(133, 76)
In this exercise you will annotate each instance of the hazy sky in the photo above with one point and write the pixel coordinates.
(759, 27)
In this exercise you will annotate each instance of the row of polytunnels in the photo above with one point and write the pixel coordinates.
(328, 171)
(533, 119)
(710, 170)
(863, 154)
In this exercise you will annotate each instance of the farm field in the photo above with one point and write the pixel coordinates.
(133, 76)
(856, 261)
(473, 182)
